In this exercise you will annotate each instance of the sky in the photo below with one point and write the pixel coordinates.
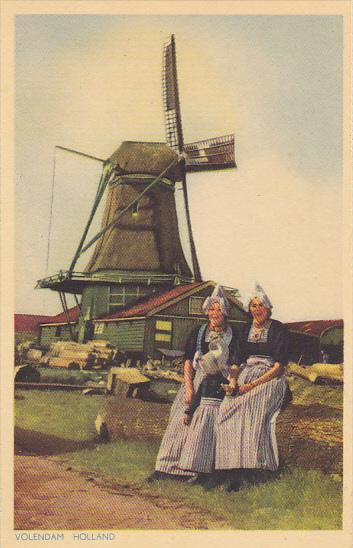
(89, 82)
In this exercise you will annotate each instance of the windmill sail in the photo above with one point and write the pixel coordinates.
(216, 153)
(213, 153)
(174, 132)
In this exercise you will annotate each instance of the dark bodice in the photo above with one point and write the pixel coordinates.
(275, 347)
(210, 387)
(191, 344)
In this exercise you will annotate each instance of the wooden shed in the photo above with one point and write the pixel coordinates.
(162, 321)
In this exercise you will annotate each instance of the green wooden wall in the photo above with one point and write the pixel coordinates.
(47, 334)
(95, 301)
(126, 336)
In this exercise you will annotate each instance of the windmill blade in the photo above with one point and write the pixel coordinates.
(172, 115)
(216, 153)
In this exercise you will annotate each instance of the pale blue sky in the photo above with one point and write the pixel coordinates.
(89, 82)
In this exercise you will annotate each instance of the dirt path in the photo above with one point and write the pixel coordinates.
(49, 495)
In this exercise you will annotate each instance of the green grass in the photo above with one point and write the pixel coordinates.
(306, 393)
(62, 425)
(67, 415)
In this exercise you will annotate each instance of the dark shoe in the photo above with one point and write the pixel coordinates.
(155, 476)
(180, 477)
(198, 479)
(214, 480)
(233, 486)
(164, 476)
(193, 480)
(256, 476)
(232, 480)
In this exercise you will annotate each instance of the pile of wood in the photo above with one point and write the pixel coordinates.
(26, 351)
(34, 355)
(318, 372)
(72, 355)
(103, 350)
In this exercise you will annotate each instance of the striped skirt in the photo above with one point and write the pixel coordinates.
(198, 453)
(245, 433)
(175, 436)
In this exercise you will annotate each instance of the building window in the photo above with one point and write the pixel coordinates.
(195, 305)
(163, 337)
(162, 325)
(163, 331)
(58, 331)
(98, 328)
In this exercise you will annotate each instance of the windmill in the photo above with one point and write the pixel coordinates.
(138, 249)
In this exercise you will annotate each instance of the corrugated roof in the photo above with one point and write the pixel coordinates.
(314, 327)
(143, 308)
(28, 323)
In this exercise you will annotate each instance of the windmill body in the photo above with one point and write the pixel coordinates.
(146, 237)
(138, 250)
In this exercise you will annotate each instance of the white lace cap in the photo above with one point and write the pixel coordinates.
(260, 294)
(219, 297)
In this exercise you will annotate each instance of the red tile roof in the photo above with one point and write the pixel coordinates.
(314, 327)
(61, 318)
(143, 308)
(140, 309)
(72, 312)
(28, 323)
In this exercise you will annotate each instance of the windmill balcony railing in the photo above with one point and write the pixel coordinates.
(117, 277)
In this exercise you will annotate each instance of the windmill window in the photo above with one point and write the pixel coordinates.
(122, 296)
(195, 305)
(117, 299)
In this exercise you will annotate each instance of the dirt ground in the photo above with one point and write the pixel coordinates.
(49, 495)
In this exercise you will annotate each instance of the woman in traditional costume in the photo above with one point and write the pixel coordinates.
(216, 307)
(198, 454)
(246, 422)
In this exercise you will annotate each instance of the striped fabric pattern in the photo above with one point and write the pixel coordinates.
(175, 435)
(245, 433)
(198, 453)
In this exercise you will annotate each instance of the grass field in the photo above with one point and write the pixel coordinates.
(66, 376)
(61, 425)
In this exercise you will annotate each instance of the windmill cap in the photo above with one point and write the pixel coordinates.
(145, 158)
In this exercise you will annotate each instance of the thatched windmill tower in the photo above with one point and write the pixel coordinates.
(138, 250)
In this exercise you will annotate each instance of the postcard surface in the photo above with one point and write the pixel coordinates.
(176, 283)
